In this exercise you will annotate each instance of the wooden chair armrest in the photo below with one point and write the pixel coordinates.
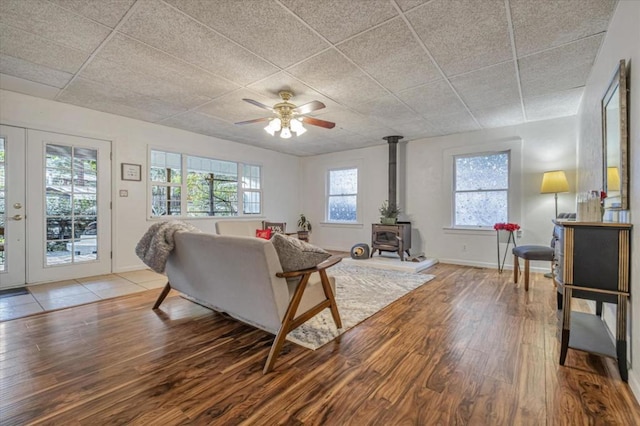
(319, 267)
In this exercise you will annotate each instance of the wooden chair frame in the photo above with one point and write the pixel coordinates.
(289, 321)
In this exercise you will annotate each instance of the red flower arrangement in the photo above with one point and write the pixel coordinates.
(506, 227)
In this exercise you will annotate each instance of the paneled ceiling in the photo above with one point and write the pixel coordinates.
(415, 68)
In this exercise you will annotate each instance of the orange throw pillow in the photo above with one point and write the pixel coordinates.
(263, 233)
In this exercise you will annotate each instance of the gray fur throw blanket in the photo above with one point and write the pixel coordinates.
(156, 244)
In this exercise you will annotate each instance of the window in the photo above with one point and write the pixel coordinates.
(342, 195)
(481, 189)
(212, 187)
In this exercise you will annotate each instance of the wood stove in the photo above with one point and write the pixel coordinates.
(394, 238)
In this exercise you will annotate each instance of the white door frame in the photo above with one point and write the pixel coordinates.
(14, 274)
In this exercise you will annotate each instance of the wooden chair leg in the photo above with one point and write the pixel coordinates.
(516, 269)
(163, 294)
(289, 315)
(526, 275)
(326, 285)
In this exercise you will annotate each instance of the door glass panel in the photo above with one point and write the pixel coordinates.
(2, 205)
(71, 208)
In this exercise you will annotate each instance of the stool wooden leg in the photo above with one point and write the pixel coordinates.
(526, 275)
(516, 267)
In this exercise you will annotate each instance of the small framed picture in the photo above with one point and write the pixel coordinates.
(131, 171)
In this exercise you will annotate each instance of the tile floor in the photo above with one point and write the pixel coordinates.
(63, 294)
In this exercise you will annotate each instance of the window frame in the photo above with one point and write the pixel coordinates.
(328, 195)
(183, 185)
(515, 195)
(455, 191)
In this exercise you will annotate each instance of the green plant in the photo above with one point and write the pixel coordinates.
(390, 211)
(303, 223)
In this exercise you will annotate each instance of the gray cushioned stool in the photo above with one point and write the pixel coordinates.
(529, 253)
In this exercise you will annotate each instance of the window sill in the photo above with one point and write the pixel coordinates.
(353, 225)
(469, 231)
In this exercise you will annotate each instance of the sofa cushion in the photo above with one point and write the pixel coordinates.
(263, 233)
(295, 255)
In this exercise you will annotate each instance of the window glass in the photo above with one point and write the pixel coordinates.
(342, 197)
(481, 189)
(212, 187)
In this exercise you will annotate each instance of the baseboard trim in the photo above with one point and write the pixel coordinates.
(489, 265)
(634, 384)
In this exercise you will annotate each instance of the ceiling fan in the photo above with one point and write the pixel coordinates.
(289, 118)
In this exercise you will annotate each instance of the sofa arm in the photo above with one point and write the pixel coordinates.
(319, 267)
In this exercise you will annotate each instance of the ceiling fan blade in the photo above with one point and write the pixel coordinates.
(258, 104)
(318, 122)
(255, 120)
(307, 108)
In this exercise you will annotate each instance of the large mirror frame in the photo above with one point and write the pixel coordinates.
(615, 142)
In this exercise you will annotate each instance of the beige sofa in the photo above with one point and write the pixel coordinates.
(242, 277)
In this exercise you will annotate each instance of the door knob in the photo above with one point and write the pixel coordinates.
(17, 217)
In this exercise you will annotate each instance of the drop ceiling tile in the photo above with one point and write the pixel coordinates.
(338, 19)
(541, 25)
(200, 123)
(454, 123)
(144, 59)
(232, 108)
(261, 27)
(563, 68)
(387, 110)
(499, 116)
(354, 122)
(391, 55)
(488, 87)
(553, 105)
(53, 23)
(417, 129)
(20, 85)
(433, 100)
(167, 29)
(461, 35)
(410, 4)
(33, 72)
(107, 12)
(110, 99)
(333, 75)
(24, 45)
(113, 74)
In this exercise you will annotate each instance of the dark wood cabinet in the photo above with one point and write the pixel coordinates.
(592, 262)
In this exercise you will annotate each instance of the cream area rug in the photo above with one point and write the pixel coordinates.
(360, 292)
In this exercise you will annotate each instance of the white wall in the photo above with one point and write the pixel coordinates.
(130, 139)
(621, 42)
(546, 145)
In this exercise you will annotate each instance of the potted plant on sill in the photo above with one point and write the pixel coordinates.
(304, 227)
(389, 213)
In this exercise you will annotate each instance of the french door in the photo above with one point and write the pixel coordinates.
(66, 219)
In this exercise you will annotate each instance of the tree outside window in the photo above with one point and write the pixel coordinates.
(212, 187)
(481, 189)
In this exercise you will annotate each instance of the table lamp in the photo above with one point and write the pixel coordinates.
(613, 179)
(553, 182)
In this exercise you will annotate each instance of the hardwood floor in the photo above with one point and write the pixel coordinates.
(469, 347)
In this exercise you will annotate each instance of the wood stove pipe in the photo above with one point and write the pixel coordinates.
(393, 168)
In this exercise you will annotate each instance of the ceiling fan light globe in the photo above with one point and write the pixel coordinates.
(296, 126)
(301, 131)
(269, 130)
(285, 133)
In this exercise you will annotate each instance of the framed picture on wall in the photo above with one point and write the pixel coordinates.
(131, 172)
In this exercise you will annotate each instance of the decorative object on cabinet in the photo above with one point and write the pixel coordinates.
(304, 228)
(592, 262)
(615, 141)
(553, 182)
